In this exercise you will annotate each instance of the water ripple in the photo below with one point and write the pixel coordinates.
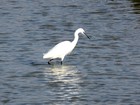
(102, 70)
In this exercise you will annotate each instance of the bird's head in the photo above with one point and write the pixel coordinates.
(82, 31)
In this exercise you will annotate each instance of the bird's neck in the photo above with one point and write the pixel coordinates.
(76, 37)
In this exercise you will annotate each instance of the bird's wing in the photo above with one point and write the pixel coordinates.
(61, 47)
(59, 50)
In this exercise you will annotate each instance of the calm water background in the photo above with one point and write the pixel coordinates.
(104, 70)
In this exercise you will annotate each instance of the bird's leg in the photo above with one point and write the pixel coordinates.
(61, 62)
(49, 62)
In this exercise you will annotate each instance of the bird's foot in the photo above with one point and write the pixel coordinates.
(49, 62)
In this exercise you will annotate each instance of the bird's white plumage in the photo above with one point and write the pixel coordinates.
(59, 50)
(64, 48)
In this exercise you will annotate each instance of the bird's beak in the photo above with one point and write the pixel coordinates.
(86, 35)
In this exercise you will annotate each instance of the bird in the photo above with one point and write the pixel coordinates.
(63, 48)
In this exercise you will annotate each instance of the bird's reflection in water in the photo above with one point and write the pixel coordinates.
(65, 74)
(64, 82)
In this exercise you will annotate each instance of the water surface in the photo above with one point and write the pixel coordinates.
(104, 70)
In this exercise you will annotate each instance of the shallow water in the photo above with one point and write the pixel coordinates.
(104, 70)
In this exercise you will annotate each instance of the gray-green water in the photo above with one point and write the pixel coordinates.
(104, 70)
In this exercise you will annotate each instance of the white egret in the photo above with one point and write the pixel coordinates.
(63, 48)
